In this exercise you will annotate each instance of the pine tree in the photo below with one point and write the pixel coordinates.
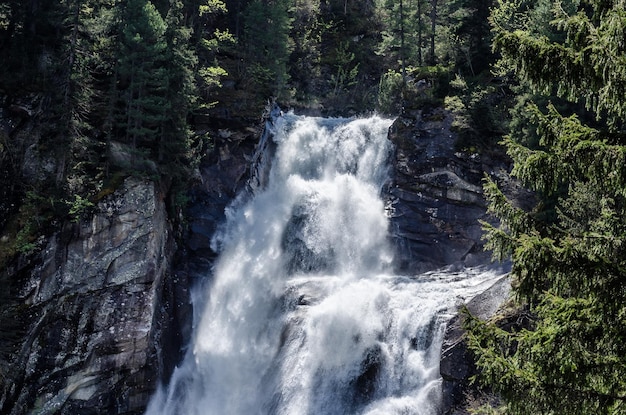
(79, 62)
(463, 35)
(181, 63)
(142, 76)
(267, 43)
(304, 62)
(405, 33)
(569, 268)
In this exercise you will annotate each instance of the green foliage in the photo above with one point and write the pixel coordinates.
(570, 267)
(346, 70)
(461, 122)
(588, 64)
(212, 40)
(24, 230)
(268, 45)
(406, 31)
(479, 114)
(416, 90)
(79, 207)
(212, 7)
(308, 28)
(488, 410)
(142, 73)
(572, 362)
(212, 75)
(220, 39)
(390, 92)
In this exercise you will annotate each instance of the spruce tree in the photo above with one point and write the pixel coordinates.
(181, 63)
(267, 44)
(305, 59)
(570, 268)
(406, 31)
(142, 76)
(79, 63)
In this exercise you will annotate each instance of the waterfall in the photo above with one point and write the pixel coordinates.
(303, 314)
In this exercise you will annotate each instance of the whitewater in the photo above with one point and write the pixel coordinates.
(303, 313)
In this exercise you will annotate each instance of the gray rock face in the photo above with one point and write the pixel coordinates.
(435, 200)
(92, 300)
(224, 174)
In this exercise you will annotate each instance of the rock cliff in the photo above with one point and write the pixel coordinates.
(91, 303)
(435, 199)
(457, 363)
(224, 174)
(104, 308)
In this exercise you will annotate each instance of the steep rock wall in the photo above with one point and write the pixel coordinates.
(457, 362)
(436, 198)
(91, 304)
(104, 313)
(234, 164)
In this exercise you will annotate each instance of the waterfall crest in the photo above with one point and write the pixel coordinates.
(303, 314)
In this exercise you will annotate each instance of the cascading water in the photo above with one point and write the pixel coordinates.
(303, 314)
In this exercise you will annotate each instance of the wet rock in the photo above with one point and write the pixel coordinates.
(224, 173)
(366, 382)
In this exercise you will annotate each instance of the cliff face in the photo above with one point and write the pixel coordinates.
(91, 303)
(100, 313)
(224, 173)
(105, 313)
(436, 198)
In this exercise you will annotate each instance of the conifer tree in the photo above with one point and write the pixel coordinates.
(406, 31)
(570, 269)
(181, 63)
(463, 35)
(267, 27)
(79, 61)
(306, 34)
(142, 75)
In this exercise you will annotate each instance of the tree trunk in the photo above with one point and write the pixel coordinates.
(419, 33)
(402, 50)
(433, 26)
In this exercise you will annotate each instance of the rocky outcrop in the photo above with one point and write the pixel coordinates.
(91, 303)
(457, 363)
(436, 198)
(224, 174)
(103, 313)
